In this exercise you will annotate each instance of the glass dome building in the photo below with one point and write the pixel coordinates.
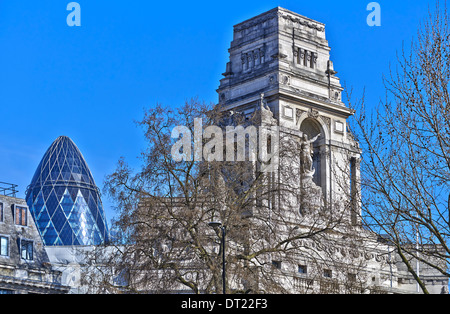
(64, 200)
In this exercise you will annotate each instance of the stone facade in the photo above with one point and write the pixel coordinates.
(24, 264)
(284, 58)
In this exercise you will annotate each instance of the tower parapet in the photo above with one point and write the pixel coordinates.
(280, 52)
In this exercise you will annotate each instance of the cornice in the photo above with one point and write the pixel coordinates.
(280, 13)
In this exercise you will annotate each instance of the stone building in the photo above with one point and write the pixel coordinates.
(24, 263)
(281, 61)
(286, 58)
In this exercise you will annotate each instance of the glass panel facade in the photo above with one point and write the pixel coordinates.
(64, 200)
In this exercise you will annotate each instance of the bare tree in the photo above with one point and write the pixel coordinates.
(165, 209)
(406, 165)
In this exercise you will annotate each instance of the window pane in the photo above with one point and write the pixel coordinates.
(302, 269)
(24, 216)
(276, 264)
(3, 246)
(327, 273)
(27, 250)
(23, 251)
(30, 251)
(21, 216)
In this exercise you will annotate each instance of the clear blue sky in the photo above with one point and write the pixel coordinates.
(91, 82)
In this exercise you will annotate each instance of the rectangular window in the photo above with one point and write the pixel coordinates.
(302, 269)
(26, 250)
(21, 215)
(327, 273)
(353, 193)
(1, 212)
(276, 264)
(339, 127)
(4, 246)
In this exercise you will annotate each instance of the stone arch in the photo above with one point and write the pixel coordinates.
(307, 119)
(312, 128)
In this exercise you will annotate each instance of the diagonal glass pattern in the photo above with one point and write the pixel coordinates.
(64, 200)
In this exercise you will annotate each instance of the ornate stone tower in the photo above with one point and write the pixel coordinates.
(286, 57)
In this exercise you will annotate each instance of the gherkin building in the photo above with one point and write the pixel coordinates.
(64, 200)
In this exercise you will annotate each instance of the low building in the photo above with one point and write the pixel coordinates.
(24, 264)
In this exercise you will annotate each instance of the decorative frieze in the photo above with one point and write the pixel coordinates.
(345, 251)
(295, 20)
(301, 22)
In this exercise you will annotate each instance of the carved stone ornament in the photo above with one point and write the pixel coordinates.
(267, 117)
(298, 114)
(314, 57)
(272, 79)
(327, 121)
(279, 55)
(313, 113)
(243, 58)
(354, 253)
(255, 21)
(301, 21)
(262, 51)
(286, 79)
(306, 156)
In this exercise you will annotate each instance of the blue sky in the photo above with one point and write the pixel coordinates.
(92, 82)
